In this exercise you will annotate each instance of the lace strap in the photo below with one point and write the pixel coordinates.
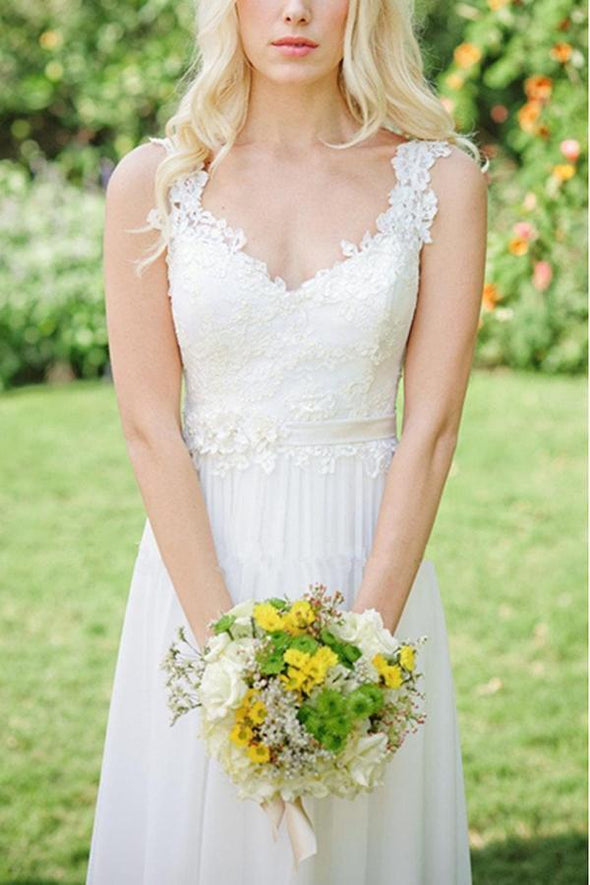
(412, 163)
(165, 142)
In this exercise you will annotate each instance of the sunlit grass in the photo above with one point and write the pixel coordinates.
(509, 546)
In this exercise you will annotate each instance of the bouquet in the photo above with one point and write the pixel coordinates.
(298, 698)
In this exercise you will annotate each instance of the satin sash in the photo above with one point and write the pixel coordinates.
(340, 430)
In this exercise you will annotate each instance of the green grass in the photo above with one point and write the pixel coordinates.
(509, 545)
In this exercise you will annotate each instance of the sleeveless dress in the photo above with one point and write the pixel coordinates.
(289, 415)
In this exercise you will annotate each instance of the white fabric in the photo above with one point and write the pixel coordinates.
(289, 415)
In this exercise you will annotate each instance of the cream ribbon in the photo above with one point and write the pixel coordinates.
(299, 826)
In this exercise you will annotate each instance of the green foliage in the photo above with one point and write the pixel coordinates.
(88, 80)
(224, 624)
(51, 293)
(520, 74)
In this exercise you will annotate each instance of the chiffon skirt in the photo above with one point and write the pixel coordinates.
(166, 814)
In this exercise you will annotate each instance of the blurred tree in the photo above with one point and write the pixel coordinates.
(84, 80)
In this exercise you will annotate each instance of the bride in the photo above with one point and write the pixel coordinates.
(311, 228)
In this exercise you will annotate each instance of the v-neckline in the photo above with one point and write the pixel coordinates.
(239, 239)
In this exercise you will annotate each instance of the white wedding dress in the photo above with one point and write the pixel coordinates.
(289, 413)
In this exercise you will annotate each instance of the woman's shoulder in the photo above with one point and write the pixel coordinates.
(131, 183)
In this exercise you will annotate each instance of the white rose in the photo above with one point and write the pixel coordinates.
(364, 759)
(366, 629)
(222, 688)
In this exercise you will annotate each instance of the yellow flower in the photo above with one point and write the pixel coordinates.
(297, 677)
(267, 616)
(241, 734)
(295, 657)
(257, 712)
(379, 662)
(290, 683)
(316, 671)
(406, 657)
(303, 610)
(393, 676)
(250, 696)
(258, 753)
(299, 617)
(326, 656)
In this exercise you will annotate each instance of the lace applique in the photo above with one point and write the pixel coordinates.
(257, 355)
(237, 441)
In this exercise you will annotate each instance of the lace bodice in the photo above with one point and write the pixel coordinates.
(270, 370)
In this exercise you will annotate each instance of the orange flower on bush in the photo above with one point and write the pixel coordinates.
(561, 52)
(518, 246)
(528, 115)
(467, 54)
(564, 171)
(495, 5)
(490, 296)
(538, 87)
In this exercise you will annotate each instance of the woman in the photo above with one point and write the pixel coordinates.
(318, 228)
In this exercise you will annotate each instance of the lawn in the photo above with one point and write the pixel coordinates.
(509, 545)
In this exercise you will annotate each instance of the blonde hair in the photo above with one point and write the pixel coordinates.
(381, 78)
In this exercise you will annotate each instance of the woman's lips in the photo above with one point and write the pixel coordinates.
(294, 49)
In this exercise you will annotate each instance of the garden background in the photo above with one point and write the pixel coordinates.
(83, 84)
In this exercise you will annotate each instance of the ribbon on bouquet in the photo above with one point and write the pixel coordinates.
(299, 826)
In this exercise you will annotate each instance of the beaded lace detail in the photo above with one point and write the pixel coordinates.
(257, 355)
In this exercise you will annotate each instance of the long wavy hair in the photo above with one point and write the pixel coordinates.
(381, 78)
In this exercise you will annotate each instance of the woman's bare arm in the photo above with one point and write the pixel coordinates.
(147, 373)
(436, 373)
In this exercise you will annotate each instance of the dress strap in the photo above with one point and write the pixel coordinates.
(165, 142)
(412, 162)
(183, 194)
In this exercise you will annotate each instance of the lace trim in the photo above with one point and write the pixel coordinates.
(375, 456)
(237, 442)
(413, 205)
